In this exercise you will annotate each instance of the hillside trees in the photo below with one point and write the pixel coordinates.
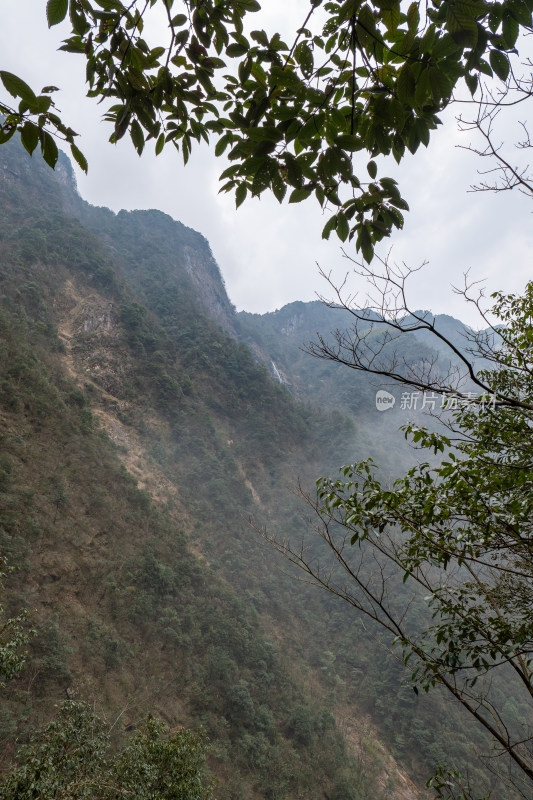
(155, 620)
(370, 78)
(356, 77)
(71, 757)
(456, 529)
(14, 634)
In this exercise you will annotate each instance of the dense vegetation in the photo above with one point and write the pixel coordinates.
(126, 615)
(146, 586)
(368, 78)
(71, 758)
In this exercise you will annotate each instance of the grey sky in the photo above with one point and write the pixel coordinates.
(267, 252)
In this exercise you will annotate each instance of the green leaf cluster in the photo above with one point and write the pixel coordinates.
(459, 527)
(36, 121)
(71, 757)
(14, 638)
(369, 77)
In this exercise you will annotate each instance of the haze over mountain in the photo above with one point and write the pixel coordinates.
(143, 422)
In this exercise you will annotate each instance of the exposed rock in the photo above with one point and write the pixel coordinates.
(205, 274)
(65, 174)
(98, 319)
(292, 325)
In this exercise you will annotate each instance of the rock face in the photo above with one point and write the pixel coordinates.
(65, 174)
(206, 277)
(98, 320)
(292, 325)
(191, 253)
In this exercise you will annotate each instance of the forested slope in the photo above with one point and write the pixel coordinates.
(120, 569)
(138, 438)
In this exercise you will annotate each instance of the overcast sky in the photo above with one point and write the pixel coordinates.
(268, 253)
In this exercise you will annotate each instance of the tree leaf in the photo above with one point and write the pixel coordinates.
(160, 144)
(413, 16)
(405, 85)
(343, 227)
(348, 142)
(235, 50)
(29, 136)
(240, 194)
(137, 136)
(391, 17)
(521, 12)
(294, 170)
(79, 157)
(500, 64)
(472, 83)
(330, 225)
(461, 23)
(222, 144)
(179, 20)
(56, 11)
(49, 148)
(364, 243)
(299, 194)
(16, 86)
(279, 187)
(122, 123)
(304, 57)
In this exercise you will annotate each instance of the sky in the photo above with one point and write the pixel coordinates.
(270, 254)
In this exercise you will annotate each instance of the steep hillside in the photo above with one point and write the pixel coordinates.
(138, 438)
(281, 340)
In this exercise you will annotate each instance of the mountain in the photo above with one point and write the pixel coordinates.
(139, 437)
(282, 341)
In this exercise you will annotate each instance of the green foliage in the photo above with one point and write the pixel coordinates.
(35, 119)
(66, 758)
(149, 620)
(14, 638)
(460, 530)
(162, 765)
(360, 77)
(51, 654)
(71, 758)
(448, 785)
